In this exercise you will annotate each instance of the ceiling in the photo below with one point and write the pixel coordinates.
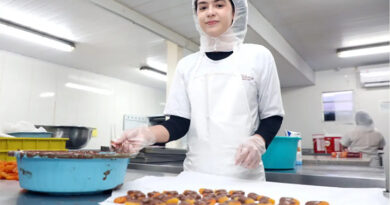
(315, 29)
(174, 14)
(112, 45)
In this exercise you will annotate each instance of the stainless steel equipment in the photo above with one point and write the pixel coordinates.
(78, 136)
(150, 155)
(134, 121)
(387, 169)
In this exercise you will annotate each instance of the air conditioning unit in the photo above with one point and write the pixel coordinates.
(375, 75)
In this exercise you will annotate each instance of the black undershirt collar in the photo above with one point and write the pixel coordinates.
(218, 55)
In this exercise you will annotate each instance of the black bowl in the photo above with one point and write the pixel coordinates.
(78, 136)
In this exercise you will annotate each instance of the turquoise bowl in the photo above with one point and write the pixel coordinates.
(53, 175)
(281, 153)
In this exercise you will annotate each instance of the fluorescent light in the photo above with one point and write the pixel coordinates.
(364, 50)
(47, 95)
(355, 41)
(34, 36)
(377, 84)
(88, 88)
(37, 22)
(157, 64)
(154, 73)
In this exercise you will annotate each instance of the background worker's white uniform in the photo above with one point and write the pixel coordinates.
(225, 100)
(364, 138)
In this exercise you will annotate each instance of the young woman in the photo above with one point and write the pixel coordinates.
(226, 97)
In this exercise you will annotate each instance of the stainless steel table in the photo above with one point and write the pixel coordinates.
(328, 160)
(321, 175)
(12, 194)
(338, 176)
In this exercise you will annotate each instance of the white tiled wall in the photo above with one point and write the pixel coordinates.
(16, 88)
(43, 80)
(23, 79)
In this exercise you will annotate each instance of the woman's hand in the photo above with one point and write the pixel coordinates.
(249, 153)
(132, 141)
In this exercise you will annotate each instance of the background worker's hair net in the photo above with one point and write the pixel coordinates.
(233, 37)
(363, 119)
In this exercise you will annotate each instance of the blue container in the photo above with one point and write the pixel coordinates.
(281, 153)
(70, 176)
(32, 134)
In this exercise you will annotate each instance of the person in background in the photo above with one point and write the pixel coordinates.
(226, 96)
(364, 138)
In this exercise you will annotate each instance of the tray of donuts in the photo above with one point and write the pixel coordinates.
(206, 197)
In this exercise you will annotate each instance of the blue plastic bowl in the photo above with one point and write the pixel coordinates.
(70, 176)
(32, 134)
(281, 153)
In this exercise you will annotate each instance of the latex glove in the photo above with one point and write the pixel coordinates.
(249, 153)
(132, 141)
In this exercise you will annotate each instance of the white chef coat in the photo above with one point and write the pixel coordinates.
(259, 75)
(365, 140)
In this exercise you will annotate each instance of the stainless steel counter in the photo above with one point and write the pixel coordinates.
(322, 175)
(12, 194)
(338, 176)
(330, 175)
(328, 160)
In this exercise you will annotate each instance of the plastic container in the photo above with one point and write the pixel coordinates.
(318, 143)
(299, 149)
(72, 175)
(13, 144)
(333, 144)
(32, 134)
(299, 159)
(281, 153)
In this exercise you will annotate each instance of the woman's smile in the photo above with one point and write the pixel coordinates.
(212, 23)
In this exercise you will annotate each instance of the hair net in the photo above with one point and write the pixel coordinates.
(233, 37)
(363, 119)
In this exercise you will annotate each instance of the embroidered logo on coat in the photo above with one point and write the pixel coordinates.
(246, 77)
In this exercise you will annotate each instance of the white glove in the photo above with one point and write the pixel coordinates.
(249, 153)
(132, 141)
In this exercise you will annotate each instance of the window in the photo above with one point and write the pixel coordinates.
(338, 106)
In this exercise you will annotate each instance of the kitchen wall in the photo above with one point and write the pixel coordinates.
(304, 109)
(23, 80)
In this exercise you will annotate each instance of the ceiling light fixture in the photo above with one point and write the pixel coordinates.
(365, 40)
(87, 88)
(363, 50)
(152, 62)
(154, 73)
(47, 95)
(25, 33)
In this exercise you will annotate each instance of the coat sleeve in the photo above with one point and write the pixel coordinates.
(346, 140)
(178, 102)
(269, 95)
